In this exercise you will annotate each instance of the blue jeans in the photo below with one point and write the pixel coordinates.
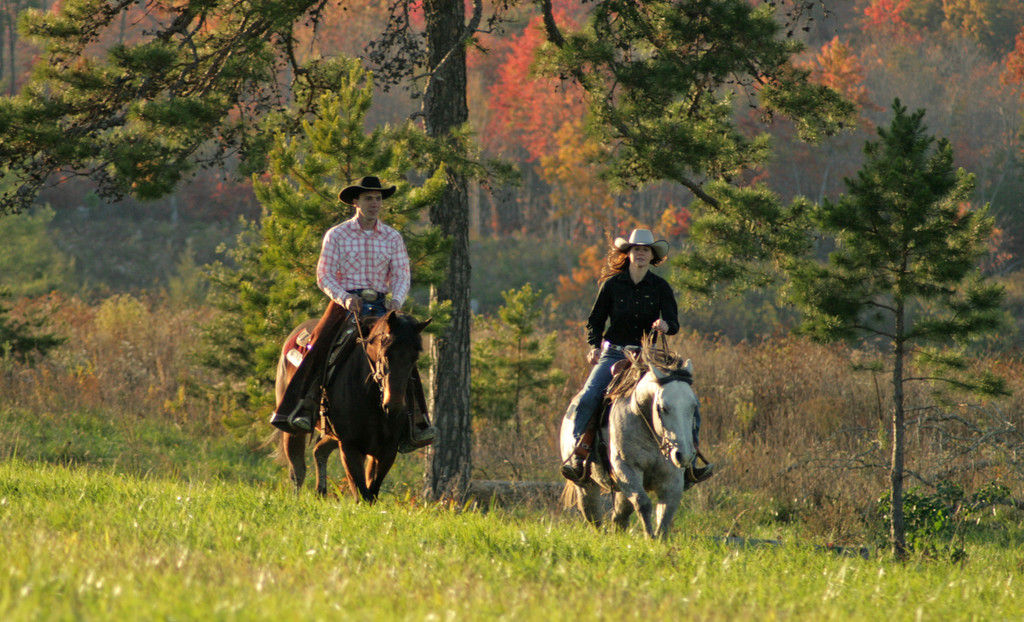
(587, 402)
(375, 308)
(589, 399)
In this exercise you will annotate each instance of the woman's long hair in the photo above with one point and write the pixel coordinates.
(617, 261)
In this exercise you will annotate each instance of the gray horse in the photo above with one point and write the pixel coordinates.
(650, 442)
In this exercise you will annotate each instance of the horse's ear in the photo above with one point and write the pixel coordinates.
(634, 355)
(421, 325)
(688, 366)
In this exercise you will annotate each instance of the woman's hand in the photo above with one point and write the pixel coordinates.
(660, 325)
(594, 355)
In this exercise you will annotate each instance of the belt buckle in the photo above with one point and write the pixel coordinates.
(368, 295)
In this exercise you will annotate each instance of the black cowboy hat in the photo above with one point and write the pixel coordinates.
(370, 182)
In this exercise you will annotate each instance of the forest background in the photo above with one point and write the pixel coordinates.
(107, 272)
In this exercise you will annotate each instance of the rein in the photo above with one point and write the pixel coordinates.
(378, 368)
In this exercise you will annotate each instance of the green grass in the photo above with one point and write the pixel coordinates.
(84, 542)
(131, 446)
(106, 517)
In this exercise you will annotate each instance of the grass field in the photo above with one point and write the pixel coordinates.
(120, 499)
(94, 542)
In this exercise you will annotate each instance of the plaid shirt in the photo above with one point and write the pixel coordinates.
(355, 259)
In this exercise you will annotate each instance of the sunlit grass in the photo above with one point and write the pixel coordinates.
(87, 543)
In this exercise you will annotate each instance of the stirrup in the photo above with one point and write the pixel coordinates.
(302, 421)
(302, 418)
(422, 436)
(574, 468)
(696, 475)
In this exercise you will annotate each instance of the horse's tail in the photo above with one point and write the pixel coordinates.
(274, 441)
(570, 496)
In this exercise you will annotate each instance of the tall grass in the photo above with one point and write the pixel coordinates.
(87, 543)
(798, 438)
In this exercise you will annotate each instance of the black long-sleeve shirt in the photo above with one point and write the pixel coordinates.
(632, 308)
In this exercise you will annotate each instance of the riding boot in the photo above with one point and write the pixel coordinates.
(298, 404)
(575, 468)
(421, 432)
(696, 474)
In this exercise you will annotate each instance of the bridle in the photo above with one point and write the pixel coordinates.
(378, 367)
(665, 446)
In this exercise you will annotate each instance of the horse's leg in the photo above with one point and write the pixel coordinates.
(631, 484)
(590, 504)
(376, 470)
(294, 448)
(371, 467)
(623, 510)
(321, 452)
(354, 461)
(668, 502)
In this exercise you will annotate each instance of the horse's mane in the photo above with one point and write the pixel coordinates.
(624, 383)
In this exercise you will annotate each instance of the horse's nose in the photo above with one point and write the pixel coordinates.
(680, 460)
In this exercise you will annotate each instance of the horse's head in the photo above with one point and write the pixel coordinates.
(393, 345)
(665, 395)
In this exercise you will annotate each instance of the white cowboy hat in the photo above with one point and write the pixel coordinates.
(643, 237)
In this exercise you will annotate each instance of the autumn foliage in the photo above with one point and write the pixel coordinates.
(838, 66)
(528, 111)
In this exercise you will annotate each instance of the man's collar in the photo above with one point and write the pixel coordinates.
(353, 223)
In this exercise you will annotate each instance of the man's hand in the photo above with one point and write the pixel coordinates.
(660, 325)
(593, 356)
(353, 303)
(392, 305)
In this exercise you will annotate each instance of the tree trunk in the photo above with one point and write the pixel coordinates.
(12, 35)
(444, 108)
(4, 30)
(898, 529)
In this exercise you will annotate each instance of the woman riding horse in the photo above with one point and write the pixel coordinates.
(650, 444)
(634, 302)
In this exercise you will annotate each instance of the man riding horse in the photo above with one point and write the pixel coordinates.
(364, 270)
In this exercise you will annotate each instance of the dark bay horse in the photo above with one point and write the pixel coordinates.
(366, 413)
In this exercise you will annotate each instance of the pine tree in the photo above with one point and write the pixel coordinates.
(667, 82)
(31, 262)
(512, 365)
(207, 83)
(269, 285)
(20, 338)
(904, 273)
